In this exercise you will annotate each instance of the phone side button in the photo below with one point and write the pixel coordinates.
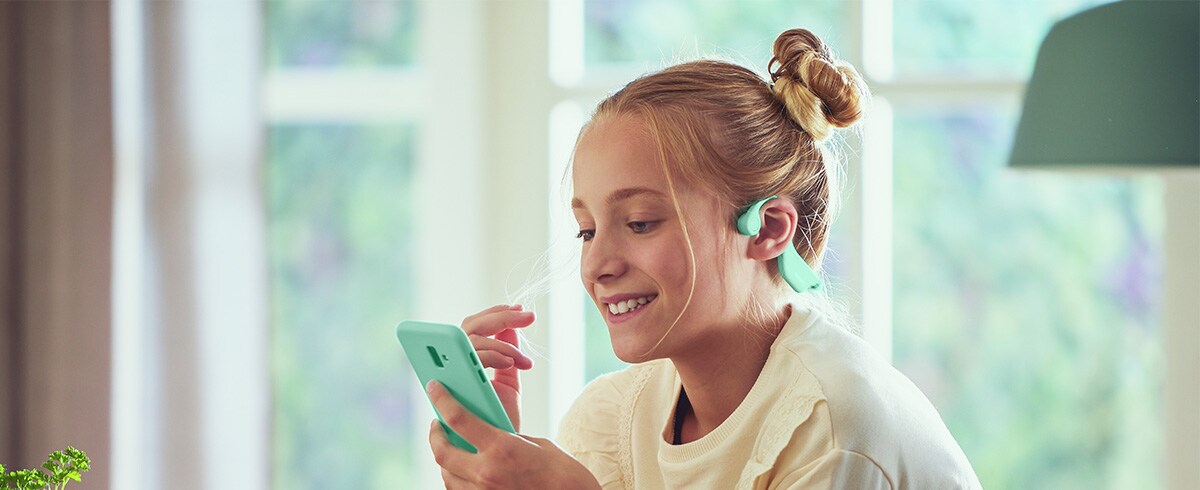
(482, 377)
(474, 360)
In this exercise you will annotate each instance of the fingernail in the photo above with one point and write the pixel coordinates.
(517, 307)
(429, 386)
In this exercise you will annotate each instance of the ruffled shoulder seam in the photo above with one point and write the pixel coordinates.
(641, 374)
(790, 410)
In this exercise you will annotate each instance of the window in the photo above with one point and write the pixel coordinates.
(1025, 311)
(341, 261)
(343, 149)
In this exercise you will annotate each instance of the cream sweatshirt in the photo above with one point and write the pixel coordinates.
(825, 412)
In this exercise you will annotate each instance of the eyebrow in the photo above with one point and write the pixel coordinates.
(621, 195)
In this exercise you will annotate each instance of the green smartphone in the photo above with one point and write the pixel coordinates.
(442, 352)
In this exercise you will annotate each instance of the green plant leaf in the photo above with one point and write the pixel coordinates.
(30, 480)
(63, 466)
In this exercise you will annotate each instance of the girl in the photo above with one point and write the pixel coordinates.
(702, 194)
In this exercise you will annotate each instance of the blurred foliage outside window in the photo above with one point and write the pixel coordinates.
(341, 263)
(340, 33)
(655, 33)
(973, 40)
(1026, 305)
(341, 257)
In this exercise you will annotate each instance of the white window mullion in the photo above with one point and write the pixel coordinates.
(131, 370)
(364, 95)
(566, 306)
(566, 42)
(445, 97)
(877, 206)
(878, 62)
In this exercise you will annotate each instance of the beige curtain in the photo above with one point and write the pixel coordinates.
(56, 176)
(180, 400)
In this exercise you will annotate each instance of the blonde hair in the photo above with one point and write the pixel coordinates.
(725, 129)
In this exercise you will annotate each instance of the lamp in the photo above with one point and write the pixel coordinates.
(1116, 89)
(1116, 86)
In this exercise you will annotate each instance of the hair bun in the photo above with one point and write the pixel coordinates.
(820, 93)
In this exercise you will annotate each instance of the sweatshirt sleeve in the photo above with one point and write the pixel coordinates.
(837, 469)
(590, 431)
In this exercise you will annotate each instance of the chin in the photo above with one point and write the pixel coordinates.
(633, 351)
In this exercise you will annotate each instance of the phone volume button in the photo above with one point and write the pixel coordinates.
(482, 377)
(474, 360)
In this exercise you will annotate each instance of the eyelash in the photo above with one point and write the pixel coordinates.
(646, 224)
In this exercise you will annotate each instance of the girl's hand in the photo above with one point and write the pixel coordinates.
(492, 332)
(504, 460)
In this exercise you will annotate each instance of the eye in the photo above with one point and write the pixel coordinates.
(638, 227)
(641, 226)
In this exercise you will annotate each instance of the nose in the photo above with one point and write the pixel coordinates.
(603, 260)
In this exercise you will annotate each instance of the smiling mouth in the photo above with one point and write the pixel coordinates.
(623, 307)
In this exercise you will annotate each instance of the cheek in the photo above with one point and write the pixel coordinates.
(669, 262)
(671, 265)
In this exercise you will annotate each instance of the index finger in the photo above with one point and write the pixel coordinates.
(489, 323)
(510, 376)
(469, 426)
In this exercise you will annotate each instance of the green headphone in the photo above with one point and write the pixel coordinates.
(795, 271)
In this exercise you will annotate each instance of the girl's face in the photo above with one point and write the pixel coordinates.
(634, 248)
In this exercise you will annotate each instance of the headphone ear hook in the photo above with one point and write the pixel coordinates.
(795, 271)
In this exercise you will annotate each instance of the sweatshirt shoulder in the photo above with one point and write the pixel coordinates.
(596, 429)
(604, 406)
(878, 412)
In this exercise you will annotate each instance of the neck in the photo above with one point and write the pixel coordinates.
(718, 375)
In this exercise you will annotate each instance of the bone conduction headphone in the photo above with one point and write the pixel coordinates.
(795, 271)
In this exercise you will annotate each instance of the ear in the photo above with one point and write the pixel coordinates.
(779, 220)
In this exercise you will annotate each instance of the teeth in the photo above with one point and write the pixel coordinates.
(629, 304)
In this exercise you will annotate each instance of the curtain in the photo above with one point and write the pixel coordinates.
(56, 174)
(130, 176)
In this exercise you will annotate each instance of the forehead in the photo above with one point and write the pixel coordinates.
(616, 158)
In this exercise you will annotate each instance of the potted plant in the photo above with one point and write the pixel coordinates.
(60, 468)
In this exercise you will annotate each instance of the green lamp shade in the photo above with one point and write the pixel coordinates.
(1116, 86)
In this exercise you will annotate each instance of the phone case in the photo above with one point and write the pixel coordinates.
(442, 352)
